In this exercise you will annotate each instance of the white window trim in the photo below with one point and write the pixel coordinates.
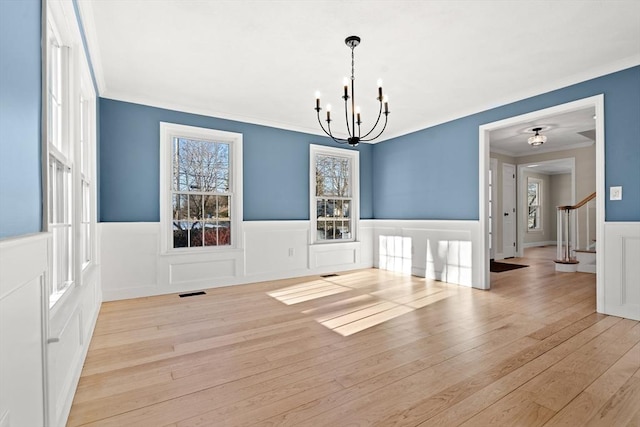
(540, 228)
(354, 156)
(168, 131)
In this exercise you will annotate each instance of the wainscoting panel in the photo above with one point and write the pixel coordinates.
(133, 266)
(187, 272)
(71, 323)
(129, 257)
(622, 269)
(47, 346)
(441, 250)
(23, 295)
(275, 247)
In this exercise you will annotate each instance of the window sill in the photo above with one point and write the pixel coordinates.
(203, 252)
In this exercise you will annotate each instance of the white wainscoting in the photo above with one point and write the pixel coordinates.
(71, 323)
(443, 250)
(621, 284)
(23, 323)
(133, 265)
(43, 349)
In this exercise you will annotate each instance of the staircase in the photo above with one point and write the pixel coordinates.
(576, 226)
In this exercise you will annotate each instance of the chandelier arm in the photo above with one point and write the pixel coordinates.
(383, 128)
(376, 124)
(338, 140)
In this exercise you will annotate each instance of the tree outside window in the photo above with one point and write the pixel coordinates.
(334, 186)
(534, 202)
(200, 193)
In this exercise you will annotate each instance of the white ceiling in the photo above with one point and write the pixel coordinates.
(262, 61)
(564, 132)
(552, 167)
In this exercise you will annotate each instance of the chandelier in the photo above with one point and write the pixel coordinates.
(353, 129)
(537, 139)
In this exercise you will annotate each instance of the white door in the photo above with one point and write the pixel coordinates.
(493, 166)
(508, 210)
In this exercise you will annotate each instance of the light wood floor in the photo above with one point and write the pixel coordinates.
(368, 347)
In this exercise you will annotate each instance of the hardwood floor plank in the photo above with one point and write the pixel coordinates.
(588, 403)
(368, 347)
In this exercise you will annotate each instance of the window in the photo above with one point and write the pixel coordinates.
(60, 165)
(68, 150)
(534, 202)
(201, 187)
(334, 194)
(86, 235)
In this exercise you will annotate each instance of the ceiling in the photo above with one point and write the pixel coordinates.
(563, 131)
(262, 61)
(552, 167)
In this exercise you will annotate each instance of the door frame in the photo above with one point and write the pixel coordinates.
(484, 131)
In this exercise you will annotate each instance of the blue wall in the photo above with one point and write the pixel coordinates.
(433, 173)
(20, 104)
(276, 165)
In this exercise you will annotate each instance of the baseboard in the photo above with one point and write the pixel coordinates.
(539, 244)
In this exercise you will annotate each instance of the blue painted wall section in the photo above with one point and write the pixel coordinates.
(433, 173)
(276, 165)
(20, 105)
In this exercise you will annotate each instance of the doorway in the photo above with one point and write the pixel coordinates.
(485, 135)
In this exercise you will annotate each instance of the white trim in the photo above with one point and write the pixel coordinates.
(540, 206)
(93, 46)
(354, 157)
(171, 130)
(538, 244)
(484, 130)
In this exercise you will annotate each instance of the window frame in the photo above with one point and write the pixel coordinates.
(169, 131)
(68, 129)
(354, 158)
(59, 149)
(538, 206)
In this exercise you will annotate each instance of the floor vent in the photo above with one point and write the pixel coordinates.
(193, 294)
(329, 275)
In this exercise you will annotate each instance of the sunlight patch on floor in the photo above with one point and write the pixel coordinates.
(356, 313)
(307, 291)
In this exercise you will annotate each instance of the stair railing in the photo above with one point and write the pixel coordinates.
(569, 229)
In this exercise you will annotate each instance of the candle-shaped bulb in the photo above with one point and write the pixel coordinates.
(386, 104)
(318, 100)
(358, 114)
(380, 90)
(345, 83)
(328, 112)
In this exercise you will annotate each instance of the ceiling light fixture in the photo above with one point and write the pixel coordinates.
(353, 130)
(537, 139)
